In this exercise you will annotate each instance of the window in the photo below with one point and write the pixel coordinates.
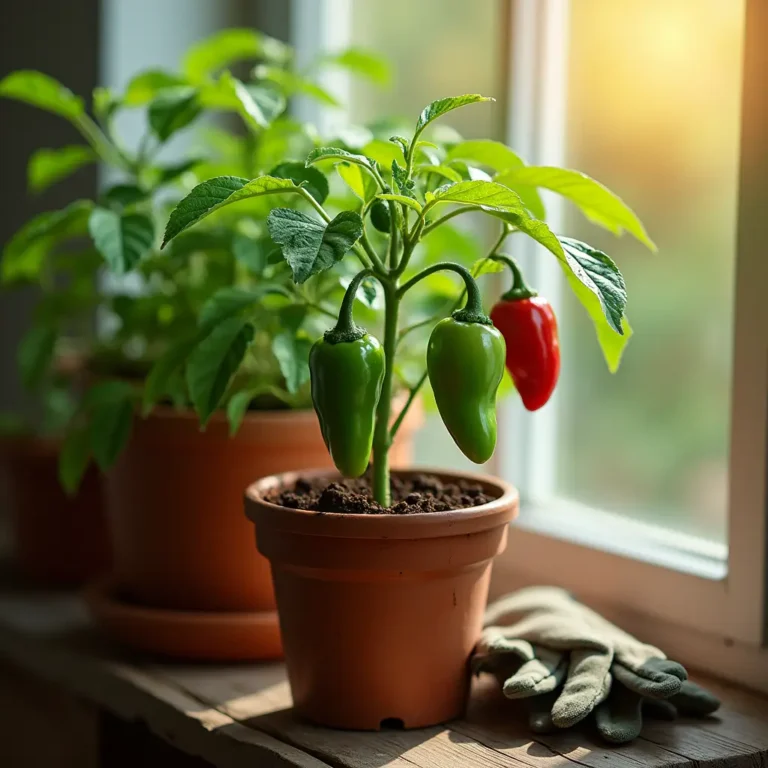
(643, 492)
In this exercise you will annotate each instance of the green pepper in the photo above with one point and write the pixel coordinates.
(465, 361)
(347, 372)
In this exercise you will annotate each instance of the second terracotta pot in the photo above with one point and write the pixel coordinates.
(379, 613)
(175, 503)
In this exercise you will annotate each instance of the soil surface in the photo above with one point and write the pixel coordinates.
(419, 493)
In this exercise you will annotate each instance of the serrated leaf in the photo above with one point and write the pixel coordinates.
(42, 91)
(492, 154)
(364, 63)
(402, 143)
(487, 194)
(74, 458)
(173, 109)
(438, 170)
(35, 355)
(229, 46)
(26, 251)
(122, 195)
(292, 84)
(595, 201)
(211, 195)
(145, 86)
(409, 201)
(442, 106)
(311, 246)
(213, 363)
(292, 353)
(310, 178)
(359, 181)
(47, 166)
(110, 407)
(122, 239)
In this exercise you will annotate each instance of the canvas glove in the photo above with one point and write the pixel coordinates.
(546, 647)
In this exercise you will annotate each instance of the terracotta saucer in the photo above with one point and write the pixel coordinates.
(203, 635)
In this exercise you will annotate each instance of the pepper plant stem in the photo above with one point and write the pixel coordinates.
(381, 441)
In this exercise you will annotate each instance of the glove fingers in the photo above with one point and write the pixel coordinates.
(654, 679)
(619, 718)
(542, 674)
(496, 652)
(695, 701)
(587, 684)
(660, 709)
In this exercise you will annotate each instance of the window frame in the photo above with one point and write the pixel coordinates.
(705, 610)
(703, 605)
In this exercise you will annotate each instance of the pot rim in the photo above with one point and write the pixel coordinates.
(501, 510)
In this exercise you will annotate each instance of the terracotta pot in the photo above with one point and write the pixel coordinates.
(379, 613)
(57, 539)
(175, 504)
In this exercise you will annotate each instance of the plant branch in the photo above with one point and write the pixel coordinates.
(100, 143)
(448, 216)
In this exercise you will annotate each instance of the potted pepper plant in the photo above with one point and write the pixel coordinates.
(210, 332)
(381, 577)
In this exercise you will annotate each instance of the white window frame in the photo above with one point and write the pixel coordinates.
(704, 603)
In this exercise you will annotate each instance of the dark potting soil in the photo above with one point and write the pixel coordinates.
(419, 493)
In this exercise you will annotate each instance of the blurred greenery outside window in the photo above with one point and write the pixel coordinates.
(651, 98)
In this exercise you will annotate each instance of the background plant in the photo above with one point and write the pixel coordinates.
(402, 202)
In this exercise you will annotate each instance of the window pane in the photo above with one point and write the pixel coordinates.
(653, 112)
(448, 47)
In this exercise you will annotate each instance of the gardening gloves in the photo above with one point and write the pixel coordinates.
(567, 662)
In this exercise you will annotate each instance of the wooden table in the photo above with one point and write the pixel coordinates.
(70, 698)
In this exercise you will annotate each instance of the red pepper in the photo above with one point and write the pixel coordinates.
(529, 327)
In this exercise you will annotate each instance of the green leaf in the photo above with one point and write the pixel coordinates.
(123, 195)
(26, 251)
(250, 251)
(213, 363)
(47, 166)
(595, 201)
(145, 86)
(239, 402)
(35, 355)
(110, 406)
(383, 152)
(486, 266)
(42, 91)
(438, 170)
(173, 109)
(211, 195)
(158, 382)
(256, 104)
(231, 300)
(493, 154)
(598, 272)
(402, 182)
(122, 239)
(169, 173)
(487, 194)
(293, 84)
(409, 201)
(311, 246)
(310, 178)
(74, 459)
(292, 353)
(359, 181)
(441, 106)
(364, 63)
(105, 103)
(339, 155)
(228, 47)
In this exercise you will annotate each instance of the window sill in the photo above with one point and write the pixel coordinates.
(241, 714)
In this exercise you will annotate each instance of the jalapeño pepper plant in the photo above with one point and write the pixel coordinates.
(351, 371)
